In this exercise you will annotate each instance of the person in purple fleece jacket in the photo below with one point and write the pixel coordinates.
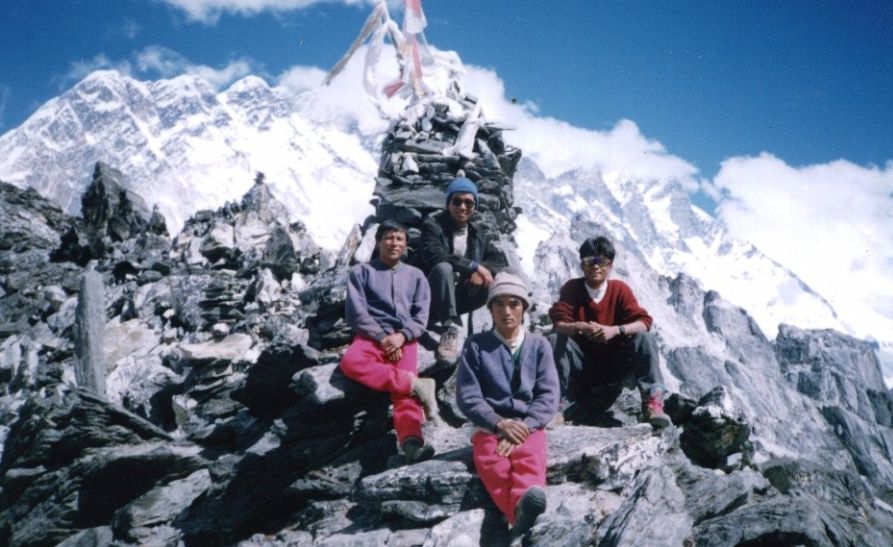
(507, 385)
(387, 308)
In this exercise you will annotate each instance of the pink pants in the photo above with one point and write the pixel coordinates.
(365, 363)
(507, 478)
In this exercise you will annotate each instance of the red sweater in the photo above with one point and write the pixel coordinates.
(618, 307)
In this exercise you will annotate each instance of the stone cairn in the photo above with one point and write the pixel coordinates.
(420, 158)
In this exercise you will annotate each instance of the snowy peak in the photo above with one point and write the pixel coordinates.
(659, 232)
(186, 147)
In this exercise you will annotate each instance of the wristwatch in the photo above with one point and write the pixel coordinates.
(622, 330)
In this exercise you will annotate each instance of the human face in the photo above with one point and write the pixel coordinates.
(508, 315)
(391, 247)
(596, 270)
(461, 207)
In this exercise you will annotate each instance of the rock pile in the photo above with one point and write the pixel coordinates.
(425, 149)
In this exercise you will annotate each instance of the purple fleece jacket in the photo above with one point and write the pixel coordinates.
(383, 300)
(483, 383)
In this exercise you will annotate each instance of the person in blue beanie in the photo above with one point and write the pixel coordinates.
(460, 258)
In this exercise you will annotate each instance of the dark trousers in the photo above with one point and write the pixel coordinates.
(633, 358)
(452, 296)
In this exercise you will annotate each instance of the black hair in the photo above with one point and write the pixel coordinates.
(388, 226)
(597, 246)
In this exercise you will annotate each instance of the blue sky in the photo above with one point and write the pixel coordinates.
(780, 111)
(808, 81)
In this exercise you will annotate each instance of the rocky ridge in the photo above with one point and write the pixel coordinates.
(225, 419)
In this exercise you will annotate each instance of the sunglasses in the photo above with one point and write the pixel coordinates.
(459, 202)
(592, 261)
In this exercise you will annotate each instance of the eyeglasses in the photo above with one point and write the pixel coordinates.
(459, 202)
(592, 261)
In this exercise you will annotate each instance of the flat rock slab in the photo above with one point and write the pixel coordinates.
(233, 348)
(576, 453)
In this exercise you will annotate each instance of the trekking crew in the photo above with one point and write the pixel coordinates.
(509, 381)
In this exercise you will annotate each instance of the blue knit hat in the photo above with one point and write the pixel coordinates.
(463, 185)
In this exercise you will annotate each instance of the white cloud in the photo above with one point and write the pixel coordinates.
(78, 70)
(298, 79)
(831, 223)
(343, 101)
(555, 145)
(209, 11)
(558, 146)
(167, 63)
(128, 28)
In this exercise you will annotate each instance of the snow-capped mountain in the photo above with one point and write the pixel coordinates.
(185, 147)
(657, 222)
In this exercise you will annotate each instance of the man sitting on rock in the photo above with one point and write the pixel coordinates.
(508, 387)
(387, 308)
(601, 334)
(460, 261)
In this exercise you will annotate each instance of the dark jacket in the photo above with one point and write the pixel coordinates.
(437, 246)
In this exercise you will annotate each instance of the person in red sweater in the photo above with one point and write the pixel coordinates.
(602, 335)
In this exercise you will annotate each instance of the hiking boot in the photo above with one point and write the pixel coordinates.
(531, 505)
(450, 345)
(654, 412)
(425, 390)
(416, 451)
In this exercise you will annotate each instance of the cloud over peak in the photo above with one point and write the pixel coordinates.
(830, 223)
(209, 11)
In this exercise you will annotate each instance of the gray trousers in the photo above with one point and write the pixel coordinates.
(629, 359)
(451, 296)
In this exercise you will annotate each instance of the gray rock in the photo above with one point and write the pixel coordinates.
(741, 333)
(90, 537)
(109, 209)
(138, 520)
(219, 243)
(266, 290)
(572, 515)
(870, 447)
(233, 348)
(715, 431)
(469, 529)
(280, 255)
(835, 369)
(90, 324)
(653, 513)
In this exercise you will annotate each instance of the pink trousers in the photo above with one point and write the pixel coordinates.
(507, 478)
(365, 363)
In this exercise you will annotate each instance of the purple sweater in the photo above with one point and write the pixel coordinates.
(483, 383)
(383, 300)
